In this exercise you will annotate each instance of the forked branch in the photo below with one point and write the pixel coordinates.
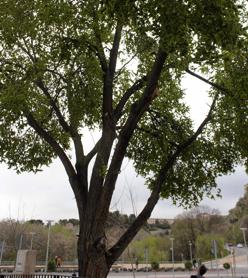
(126, 133)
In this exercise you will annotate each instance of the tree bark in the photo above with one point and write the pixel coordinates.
(92, 260)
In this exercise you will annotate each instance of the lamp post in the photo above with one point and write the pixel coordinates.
(214, 243)
(48, 242)
(234, 262)
(190, 252)
(20, 242)
(2, 249)
(243, 231)
(172, 255)
(146, 260)
(32, 237)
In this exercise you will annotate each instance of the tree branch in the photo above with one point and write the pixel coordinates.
(72, 175)
(215, 85)
(74, 135)
(125, 64)
(108, 129)
(25, 50)
(93, 152)
(59, 115)
(156, 135)
(109, 78)
(114, 50)
(57, 73)
(115, 251)
(99, 47)
(53, 143)
(136, 113)
(127, 131)
(134, 88)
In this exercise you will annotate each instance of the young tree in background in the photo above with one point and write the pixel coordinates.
(65, 68)
(199, 225)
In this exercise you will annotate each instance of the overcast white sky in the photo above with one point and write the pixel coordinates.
(47, 195)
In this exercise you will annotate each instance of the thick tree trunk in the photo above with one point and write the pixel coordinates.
(91, 258)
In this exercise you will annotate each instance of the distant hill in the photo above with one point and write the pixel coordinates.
(240, 211)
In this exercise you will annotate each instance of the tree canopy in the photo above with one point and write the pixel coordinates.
(116, 66)
(53, 59)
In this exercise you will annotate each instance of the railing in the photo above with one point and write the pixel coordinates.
(38, 275)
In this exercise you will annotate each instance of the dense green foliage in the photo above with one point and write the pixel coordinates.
(48, 52)
(204, 246)
(157, 248)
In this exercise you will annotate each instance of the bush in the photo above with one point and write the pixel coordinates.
(188, 265)
(155, 265)
(226, 266)
(51, 266)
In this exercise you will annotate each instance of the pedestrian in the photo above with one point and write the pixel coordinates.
(194, 263)
(59, 261)
(201, 271)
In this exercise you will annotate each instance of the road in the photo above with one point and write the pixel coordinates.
(241, 270)
(223, 274)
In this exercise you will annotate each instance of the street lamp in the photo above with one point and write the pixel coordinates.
(243, 231)
(32, 237)
(190, 252)
(48, 242)
(2, 249)
(172, 255)
(146, 259)
(20, 242)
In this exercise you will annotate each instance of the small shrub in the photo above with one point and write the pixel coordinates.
(155, 265)
(51, 266)
(188, 265)
(226, 266)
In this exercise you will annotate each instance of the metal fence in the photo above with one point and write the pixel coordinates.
(38, 275)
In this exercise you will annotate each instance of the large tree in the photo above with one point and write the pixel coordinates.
(116, 66)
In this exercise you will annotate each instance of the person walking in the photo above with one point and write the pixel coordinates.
(59, 261)
(201, 271)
